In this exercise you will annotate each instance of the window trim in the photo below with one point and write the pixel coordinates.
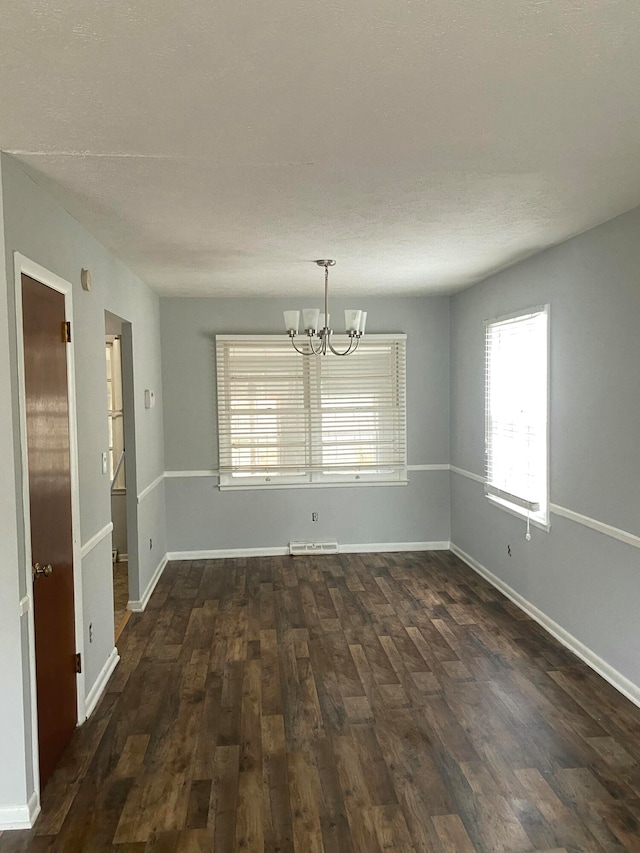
(542, 518)
(316, 479)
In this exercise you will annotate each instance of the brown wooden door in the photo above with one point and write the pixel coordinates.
(47, 409)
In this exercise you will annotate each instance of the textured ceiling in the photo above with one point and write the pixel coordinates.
(218, 147)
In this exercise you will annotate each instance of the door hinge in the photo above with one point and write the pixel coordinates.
(78, 662)
(66, 332)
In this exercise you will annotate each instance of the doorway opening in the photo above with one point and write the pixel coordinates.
(120, 464)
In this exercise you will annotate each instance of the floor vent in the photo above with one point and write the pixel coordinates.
(313, 548)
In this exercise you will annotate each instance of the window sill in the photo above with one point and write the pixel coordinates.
(341, 484)
(541, 523)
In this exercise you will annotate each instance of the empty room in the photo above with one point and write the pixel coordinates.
(320, 436)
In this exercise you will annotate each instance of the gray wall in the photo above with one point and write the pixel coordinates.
(40, 229)
(201, 518)
(583, 580)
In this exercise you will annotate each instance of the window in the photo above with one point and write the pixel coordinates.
(115, 413)
(286, 419)
(516, 413)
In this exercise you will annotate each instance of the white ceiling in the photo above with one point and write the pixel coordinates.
(218, 146)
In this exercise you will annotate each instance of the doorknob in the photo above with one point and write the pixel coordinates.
(39, 570)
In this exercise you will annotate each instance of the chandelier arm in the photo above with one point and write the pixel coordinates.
(301, 351)
(351, 348)
(321, 348)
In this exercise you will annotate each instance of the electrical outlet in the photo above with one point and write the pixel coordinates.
(91, 632)
(509, 550)
(314, 516)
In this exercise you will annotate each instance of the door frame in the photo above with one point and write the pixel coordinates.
(22, 264)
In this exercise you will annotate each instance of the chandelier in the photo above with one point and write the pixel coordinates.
(316, 325)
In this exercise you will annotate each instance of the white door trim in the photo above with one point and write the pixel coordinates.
(22, 264)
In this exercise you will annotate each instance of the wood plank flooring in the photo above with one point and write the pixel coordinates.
(344, 704)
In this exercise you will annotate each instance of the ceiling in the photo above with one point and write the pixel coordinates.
(219, 147)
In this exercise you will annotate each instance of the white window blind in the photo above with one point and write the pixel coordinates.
(286, 419)
(516, 411)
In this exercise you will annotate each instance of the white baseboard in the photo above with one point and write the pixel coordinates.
(283, 551)
(394, 547)
(93, 696)
(139, 605)
(20, 817)
(616, 679)
(225, 553)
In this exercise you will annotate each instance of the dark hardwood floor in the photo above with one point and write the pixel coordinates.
(350, 703)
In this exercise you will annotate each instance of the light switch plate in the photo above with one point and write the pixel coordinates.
(105, 462)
